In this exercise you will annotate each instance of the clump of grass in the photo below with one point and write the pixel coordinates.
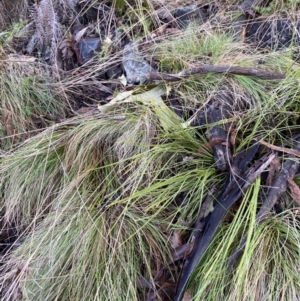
(276, 7)
(192, 46)
(139, 17)
(269, 265)
(260, 107)
(12, 11)
(27, 101)
(99, 197)
(93, 198)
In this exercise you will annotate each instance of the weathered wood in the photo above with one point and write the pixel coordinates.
(163, 76)
(237, 70)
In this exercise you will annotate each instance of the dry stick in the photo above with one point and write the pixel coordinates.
(203, 69)
(248, 71)
(290, 151)
(163, 76)
(279, 186)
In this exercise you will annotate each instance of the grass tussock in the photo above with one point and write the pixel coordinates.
(12, 11)
(99, 189)
(27, 100)
(269, 266)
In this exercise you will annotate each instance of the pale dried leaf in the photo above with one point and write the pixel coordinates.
(151, 98)
(188, 296)
(80, 34)
(119, 98)
(128, 96)
(123, 80)
(176, 239)
(21, 58)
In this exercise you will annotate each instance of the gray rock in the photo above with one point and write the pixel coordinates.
(135, 67)
(114, 72)
(88, 48)
(273, 34)
(187, 14)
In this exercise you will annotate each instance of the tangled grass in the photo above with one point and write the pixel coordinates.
(95, 199)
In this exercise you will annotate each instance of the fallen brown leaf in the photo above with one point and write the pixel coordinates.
(8, 124)
(176, 239)
(182, 252)
(188, 296)
(274, 169)
(295, 190)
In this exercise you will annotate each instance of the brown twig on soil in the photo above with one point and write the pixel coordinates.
(204, 68)
(279, 186)
(163, 76)
(289, 151)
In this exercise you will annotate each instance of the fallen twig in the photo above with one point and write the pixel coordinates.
(248, 71)
(204, 68)
(289, 151)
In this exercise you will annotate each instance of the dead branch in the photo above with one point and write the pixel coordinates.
(279, 186)
(289, 151)
(204, 69)
(163, 76)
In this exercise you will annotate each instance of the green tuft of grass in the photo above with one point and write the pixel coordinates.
(269, 265)
(27, 101)
(97, 194)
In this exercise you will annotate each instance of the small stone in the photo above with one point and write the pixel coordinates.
(274, 34)
(88, 48)
(135, 67)
(114, 72)
(187, 14)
